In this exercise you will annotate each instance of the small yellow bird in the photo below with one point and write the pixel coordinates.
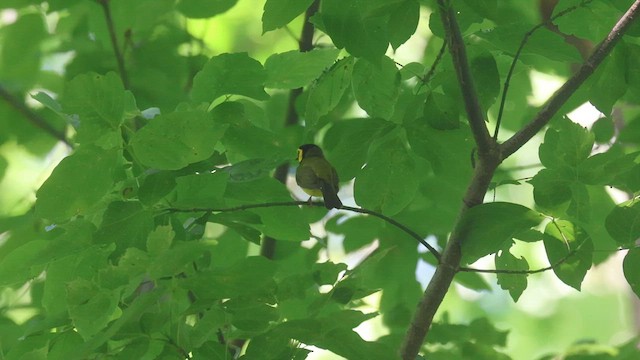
(316, 176)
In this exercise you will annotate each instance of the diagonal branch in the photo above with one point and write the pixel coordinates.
(33, 117)
(563, 94)
(458, 53)
(114, 42)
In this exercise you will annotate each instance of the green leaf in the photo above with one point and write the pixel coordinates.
(360, 26)
(488, 227)
(376, 86)
(327, 92)
(486, 78)
(283, 223)
(201, 190)
(178, 259)
(514, 283)
(171, 142)
(156, 186)
(126, 224)
(388, 181)
(160, 239)
(278, 13)
(77, 183)
(227, 74)
(623, 223)
(242, 138)
(565, 143)
(403, 22)
(90, 307)
(569, 250)
(609, 83)
(346, 155)
(552, 190)
(99, 102)
(631, 268)
(251, 315)
(294, 69)
(250, 275)
(603, 130)
(201, 9)
(441, 112)
(21, 54)
(20, 265)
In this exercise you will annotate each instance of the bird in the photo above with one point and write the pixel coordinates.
(316, 176)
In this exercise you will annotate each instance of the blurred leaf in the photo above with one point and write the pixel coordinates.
(565, 143)
(325, 95)
(77, 183)
(603, 130)
(227, 74)
(173, 141)
(279, 13)
(90, 307)
(623, 223)
(486, 78)
(21, 54)
(126, 224)
(376, 86)
(403, 22)
(294, 69)
(487, 227)
(200, 9)
(201, 190)
(569, 250)
(631, 267)
(360, 26)
(388, 181)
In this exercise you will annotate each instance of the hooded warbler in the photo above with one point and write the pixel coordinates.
(316, 176)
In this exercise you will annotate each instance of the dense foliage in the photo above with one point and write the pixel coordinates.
(149, 238)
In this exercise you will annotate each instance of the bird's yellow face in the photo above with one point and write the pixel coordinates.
(300, 154)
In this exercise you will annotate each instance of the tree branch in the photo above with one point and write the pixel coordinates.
(458, 53)
(305, 43)
(563, 94)
(33, 117)
(114, 42)
(391, 221)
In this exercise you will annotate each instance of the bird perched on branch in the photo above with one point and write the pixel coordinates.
(316, 176)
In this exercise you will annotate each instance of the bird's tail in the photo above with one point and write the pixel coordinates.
(330, 196)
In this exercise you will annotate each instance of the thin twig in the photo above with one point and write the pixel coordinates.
(525, 39)
(560, 97)
(391, 221)
(114, 42)
(433, 67)
(32, 116)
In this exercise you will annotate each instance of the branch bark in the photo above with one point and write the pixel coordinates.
(114, 42)
(490, 156)
(483, 140)
(563, 94)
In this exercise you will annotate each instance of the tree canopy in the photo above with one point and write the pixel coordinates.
(147, 155)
